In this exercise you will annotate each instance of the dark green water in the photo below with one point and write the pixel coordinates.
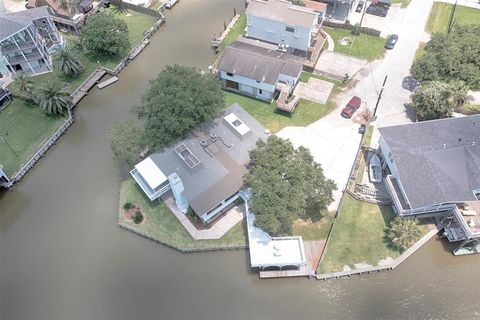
(62, 255)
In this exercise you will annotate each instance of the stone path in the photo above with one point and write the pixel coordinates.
(216, 230)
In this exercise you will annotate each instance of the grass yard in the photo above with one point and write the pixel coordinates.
(238, 29)
(305, 76)
(157, 4)
(28, 128)
(310, 230)
(358, 236)
(364, 46)
(267, 114)
(404, 3)
(469, 109)
(160, 223)
(441, 13)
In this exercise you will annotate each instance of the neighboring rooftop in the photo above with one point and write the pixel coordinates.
(258, 63)
(438, 161)
(13, 22)
(282, 10)
(222, 155)
(71, 9)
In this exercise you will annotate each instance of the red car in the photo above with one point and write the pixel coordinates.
(351, 107)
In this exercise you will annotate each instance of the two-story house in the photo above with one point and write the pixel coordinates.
(257, 71)
(433, 171)
(282, 23)
(27, 39)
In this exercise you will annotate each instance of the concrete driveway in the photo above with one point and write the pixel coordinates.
(315, 90)
(386, 25)
(336, 65)
(332, 140)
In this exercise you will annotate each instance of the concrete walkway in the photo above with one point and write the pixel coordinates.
(216, 230)
(331, 43)
(315, 90)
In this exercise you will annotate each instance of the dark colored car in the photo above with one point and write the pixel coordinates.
(377, 11)
(359, 6)
(382, 3)
(391, 41)
(351, 107)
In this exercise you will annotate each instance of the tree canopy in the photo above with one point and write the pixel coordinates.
(451, 56)
(178, 100)
(53, 98)
(436, 100)
(105, 34)
(404, 232)
(126, 142)
(286, 184)
(67, 61)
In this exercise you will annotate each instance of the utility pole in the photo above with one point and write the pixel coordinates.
(379, 97)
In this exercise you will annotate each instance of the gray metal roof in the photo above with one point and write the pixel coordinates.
(257, 63)
(13, 22)
(438, 161)
(220, 173)
(284, 11)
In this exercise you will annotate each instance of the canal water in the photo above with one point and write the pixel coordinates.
(62, 255)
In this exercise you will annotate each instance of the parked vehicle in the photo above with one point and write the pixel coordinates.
(377, 11)
(359, 6)
(351, 107)
(391, 41)
(382, 3)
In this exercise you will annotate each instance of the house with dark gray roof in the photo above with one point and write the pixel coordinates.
(283, 23)
(205, 170)
(257, 71)
(27, 39)
(433, 170)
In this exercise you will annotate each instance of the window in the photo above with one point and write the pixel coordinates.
(229, 74)
(260, 91)
(289, 29)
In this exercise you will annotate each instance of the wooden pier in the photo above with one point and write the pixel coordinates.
(313, 252)
(92, 80)
(216, 41)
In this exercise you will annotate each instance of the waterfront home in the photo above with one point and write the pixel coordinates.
(204, 171)
(257, 71)
(433, 171)
(292, 27)
(68, 15)
(27, 39)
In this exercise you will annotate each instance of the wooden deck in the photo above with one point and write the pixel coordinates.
(82, 91)
(313, 252)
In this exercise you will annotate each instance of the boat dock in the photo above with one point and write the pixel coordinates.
(216, 41)
(108, 82)
(92, 80)
(170, 3)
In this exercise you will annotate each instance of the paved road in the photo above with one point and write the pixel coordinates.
(332, 140)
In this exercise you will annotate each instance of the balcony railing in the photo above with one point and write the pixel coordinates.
(28, 57)
(13, 48)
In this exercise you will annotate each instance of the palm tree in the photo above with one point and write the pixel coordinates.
(404, 232)
(67, 61)
(24, 84)
(54, 98)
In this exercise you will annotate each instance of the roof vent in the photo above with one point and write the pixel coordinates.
(473, 143)
(444, 146)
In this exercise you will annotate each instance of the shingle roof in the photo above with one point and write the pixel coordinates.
(220, 174)
(13, 22)
(282, 10)
(257, 63)
(438, 161)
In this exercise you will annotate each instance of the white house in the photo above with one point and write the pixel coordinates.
(257, 71)
(281, 22)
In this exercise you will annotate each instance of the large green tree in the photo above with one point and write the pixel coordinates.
(451, 56)
(105, 34)
(53, 98)
(286, 184)
(404, 232)
(126, 142)
(178, 100)
(67, 61)
(436, 100)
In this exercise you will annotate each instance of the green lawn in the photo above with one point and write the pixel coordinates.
(440, 17)
(305, 76)
(310, 230)
(470, 109)
(160, 223)
(404, 3)
(358, 236)
(267, 114)
(137, 24)
(28, 128)
(364, 46)
(238, 29)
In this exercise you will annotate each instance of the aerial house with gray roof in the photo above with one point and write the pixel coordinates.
(27, 39)
(257, 71)
(205, 170)
(433, 170)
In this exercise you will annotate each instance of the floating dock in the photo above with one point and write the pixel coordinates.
(107, 82)
(170, 3)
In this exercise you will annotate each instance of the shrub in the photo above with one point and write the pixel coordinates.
(404, 232)
(127, 206)
(138, 217)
